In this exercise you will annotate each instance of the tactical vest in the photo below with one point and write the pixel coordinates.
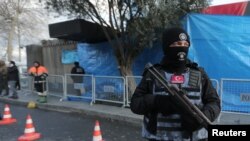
(169, 127)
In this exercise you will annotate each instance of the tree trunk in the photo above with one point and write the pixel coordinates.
(10, 37)
(131, 84)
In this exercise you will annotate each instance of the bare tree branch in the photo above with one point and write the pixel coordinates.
(135, 24)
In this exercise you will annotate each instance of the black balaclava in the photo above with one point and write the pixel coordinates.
(175, 58)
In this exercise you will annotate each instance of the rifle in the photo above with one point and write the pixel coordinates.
(179, 96)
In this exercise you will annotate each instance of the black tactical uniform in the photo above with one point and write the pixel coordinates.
(163, 121)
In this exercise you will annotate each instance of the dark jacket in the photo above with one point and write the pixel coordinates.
(4, 82)
(143, 101)
(77, 70)
(3, 76)
(13, 74)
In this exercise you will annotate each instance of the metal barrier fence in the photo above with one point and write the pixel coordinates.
(137, 80)
(109, 89)
(26, 83)
(55, 85)
(79, 87)
(235, 95)
(116, 89)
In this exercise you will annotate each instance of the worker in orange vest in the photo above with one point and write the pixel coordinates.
(40, 74)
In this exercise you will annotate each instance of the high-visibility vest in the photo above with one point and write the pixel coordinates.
(38, 70)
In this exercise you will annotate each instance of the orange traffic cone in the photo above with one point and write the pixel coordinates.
(29, 131)
(7, 117)
(97, 135)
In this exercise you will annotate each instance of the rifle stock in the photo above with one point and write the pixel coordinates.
(180, 97)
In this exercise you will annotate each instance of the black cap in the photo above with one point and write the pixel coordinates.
(37, 62)
(172, 35)
(76, 63)
(12, 62)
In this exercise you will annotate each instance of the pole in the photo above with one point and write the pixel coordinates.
(19, 44)
(18, 34)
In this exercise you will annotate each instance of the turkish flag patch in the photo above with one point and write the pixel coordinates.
(177, 79)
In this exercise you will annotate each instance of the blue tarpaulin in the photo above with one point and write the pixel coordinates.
(221, 45)
(69, 56)
(99, 59)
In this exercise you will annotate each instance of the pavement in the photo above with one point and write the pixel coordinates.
(111, 112)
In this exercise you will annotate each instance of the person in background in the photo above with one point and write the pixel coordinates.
(3, 79)
(77, 69)
(163, 119)
(40, 73)
(13, 78)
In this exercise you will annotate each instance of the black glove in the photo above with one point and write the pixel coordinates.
(43, 76)
(163, 104)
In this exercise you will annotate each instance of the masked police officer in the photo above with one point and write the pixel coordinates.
(163, 121)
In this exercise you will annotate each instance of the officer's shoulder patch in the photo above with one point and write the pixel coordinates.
(194, 78)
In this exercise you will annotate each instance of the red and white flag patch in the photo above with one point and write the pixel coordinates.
(177, 79)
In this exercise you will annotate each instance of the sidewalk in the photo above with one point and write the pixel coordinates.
(104, 111)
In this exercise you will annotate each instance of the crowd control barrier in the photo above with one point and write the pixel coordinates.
(79, 87)
(55, 85)
(26, 83)
(235, 95)
(109, 89)
(129, 94)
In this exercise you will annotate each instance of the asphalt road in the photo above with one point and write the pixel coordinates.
(57, 126)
